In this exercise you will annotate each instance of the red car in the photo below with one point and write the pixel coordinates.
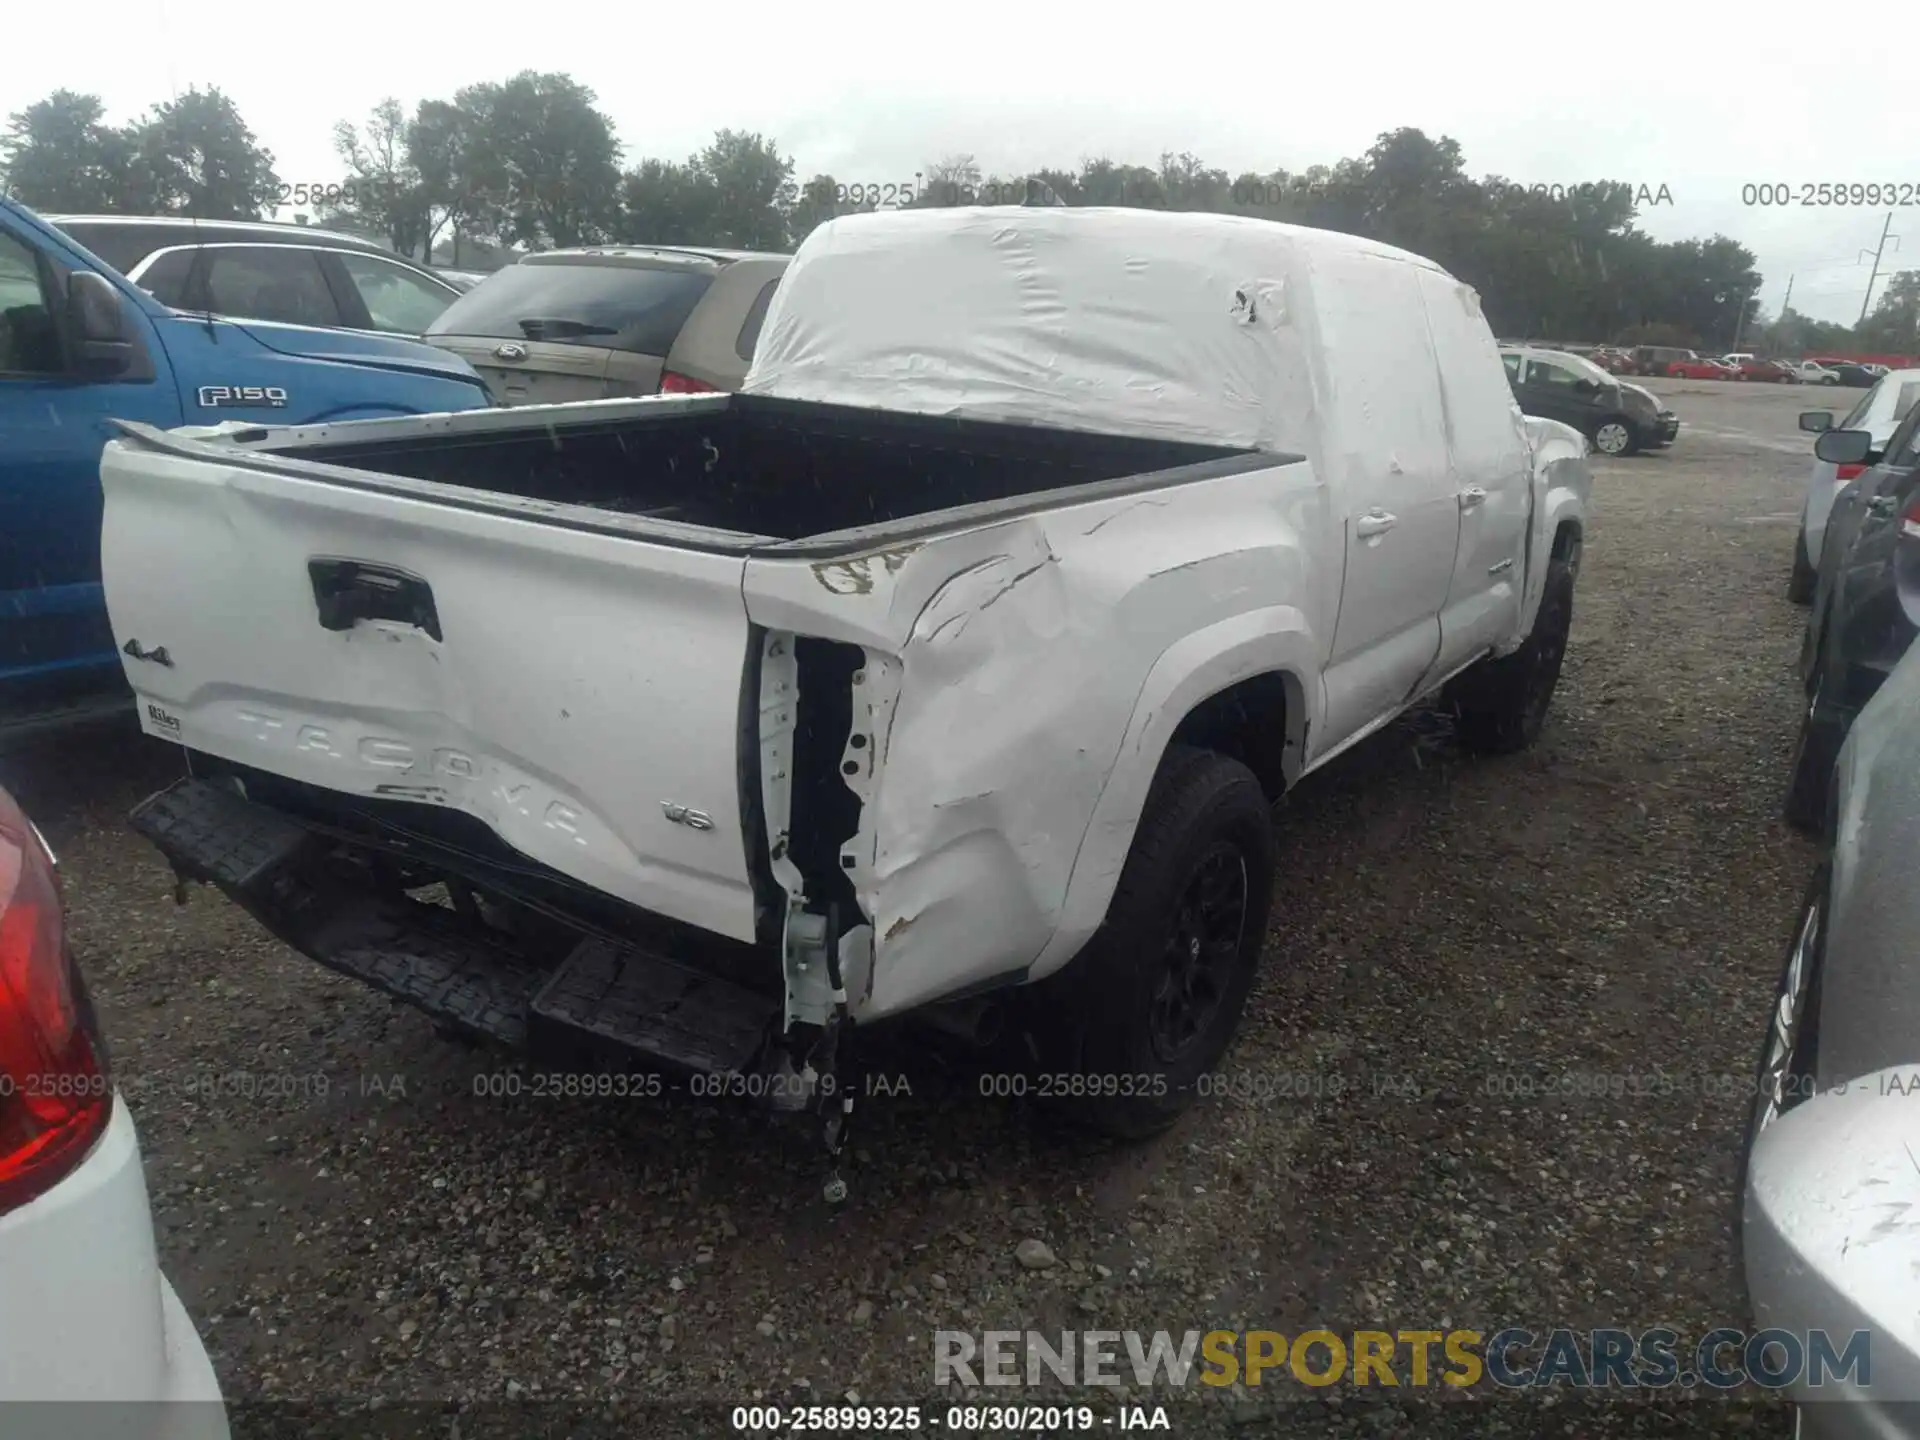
(1699, 368)
(1771, 370)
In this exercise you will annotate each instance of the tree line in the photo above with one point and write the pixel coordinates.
(532, 162)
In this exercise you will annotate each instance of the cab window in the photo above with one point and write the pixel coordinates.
(29, 337)
(395, 297)
(749, 336)
(166, 277)
(1512, 362)
(269, 282)
(1545, 372)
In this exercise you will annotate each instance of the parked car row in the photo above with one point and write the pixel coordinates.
(1832, 1131)
(1854, 374)
(1678, 363)
(1864, 603)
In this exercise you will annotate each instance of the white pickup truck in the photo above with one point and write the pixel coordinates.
(950, 667)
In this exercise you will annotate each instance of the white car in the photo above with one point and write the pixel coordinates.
(1879, 413)
(1812, 372)
(85, 1314)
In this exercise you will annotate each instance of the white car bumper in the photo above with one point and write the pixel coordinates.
(94, 1344)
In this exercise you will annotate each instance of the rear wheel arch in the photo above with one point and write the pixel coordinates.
(1258, 721)
(1220, 685)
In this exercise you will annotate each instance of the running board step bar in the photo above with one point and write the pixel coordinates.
(606, 1004)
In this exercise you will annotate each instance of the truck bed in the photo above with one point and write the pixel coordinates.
(567, 623)
(752, 465)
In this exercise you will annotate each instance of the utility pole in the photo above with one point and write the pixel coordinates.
(1787, 304)
(1867, 299)
(1740, 320)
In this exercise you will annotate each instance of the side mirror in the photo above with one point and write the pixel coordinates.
(97, 323)
(1816, 420)
(1844, 447)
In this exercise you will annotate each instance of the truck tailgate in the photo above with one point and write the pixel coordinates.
(580, 693)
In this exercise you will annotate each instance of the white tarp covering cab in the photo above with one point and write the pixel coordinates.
(1211, 328)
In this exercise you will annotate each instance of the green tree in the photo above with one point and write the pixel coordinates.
(194, 155)
(816, 203)
(1894, 325)
(1191, 185)
(662, 203)
(737, 192)
(752, 188)
(540, 162)
(950, 180)
(440, 149)
(59, 155)
(384, 195)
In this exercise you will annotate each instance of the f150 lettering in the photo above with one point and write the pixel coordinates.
(215, 396)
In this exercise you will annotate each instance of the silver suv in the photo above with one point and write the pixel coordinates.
(257, 270)
(590, 324)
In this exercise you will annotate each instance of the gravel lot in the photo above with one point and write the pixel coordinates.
(1451, 937)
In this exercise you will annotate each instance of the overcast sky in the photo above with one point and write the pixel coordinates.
(870, 92)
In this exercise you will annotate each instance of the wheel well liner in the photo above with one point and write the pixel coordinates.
(1566, 539)
(1249, 722)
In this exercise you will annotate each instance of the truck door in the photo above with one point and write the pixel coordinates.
(1385, 451)
(1491, 474)
(53, 423)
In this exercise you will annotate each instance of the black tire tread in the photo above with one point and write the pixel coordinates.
(1488, 702)
(1189, 783)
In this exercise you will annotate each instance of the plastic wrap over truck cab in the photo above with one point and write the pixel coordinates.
(82, 347)
(1012, 688)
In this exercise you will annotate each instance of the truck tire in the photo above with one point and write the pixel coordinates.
(1800, 586)
(1152, 1002)
(1500, 706)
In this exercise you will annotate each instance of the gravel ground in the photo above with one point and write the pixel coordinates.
(1451, 938)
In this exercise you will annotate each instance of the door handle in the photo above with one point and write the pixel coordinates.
(1472, 496)
(1374, 522)
(1883, 505)
(348, 591)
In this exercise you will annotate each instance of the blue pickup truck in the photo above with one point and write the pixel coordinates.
(81, 346)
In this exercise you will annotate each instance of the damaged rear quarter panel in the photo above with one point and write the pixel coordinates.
(1022, 647)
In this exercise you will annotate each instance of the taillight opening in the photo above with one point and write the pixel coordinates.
(674, 383)
(56, 1094)
(1848, 472)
